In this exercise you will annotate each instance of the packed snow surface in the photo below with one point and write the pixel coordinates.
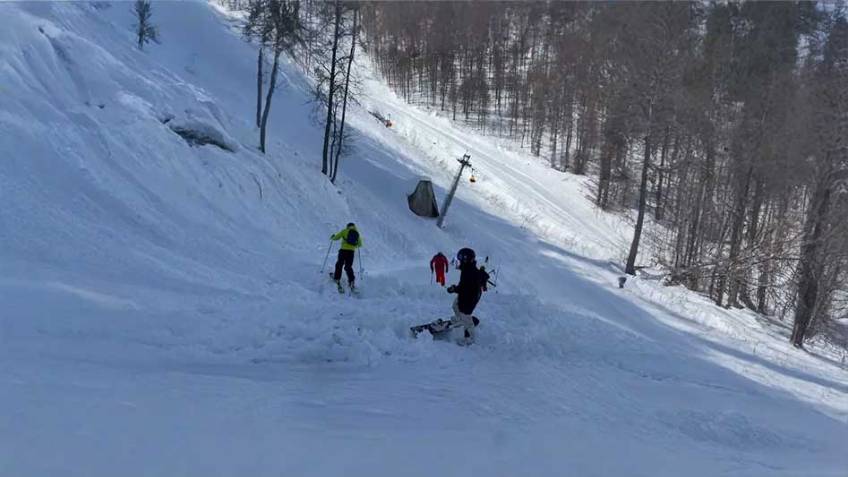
(163, 312)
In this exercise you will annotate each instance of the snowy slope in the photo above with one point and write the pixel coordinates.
(163, 312)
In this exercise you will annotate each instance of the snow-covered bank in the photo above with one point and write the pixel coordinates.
(163, 313)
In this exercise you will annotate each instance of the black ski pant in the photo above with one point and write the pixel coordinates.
(345, 260)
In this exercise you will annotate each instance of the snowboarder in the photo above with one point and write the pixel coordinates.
(439, 266)
(468, 290)
(351, 240)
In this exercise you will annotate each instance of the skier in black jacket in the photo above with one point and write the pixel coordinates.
(468, 290)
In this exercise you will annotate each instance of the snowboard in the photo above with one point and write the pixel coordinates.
(438, 329)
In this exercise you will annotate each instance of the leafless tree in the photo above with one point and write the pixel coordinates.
(278, 27)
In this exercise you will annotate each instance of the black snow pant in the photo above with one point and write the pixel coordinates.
(345, 260)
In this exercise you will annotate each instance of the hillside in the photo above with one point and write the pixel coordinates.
(164, 313)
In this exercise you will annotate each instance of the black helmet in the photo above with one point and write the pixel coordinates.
(350, 224)
(466, 255)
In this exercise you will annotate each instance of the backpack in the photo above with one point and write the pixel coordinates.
(352, 237)
(483, 278)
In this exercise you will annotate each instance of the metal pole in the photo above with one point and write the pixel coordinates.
(464, 162)
(329, 249)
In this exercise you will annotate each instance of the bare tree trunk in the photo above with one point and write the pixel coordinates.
(810, 266)
(272, 84)
(259, 78)
(733, 268)
(704, 196)
(333, 142)
(325, 157)
(555, 138)
(752, 232)
(568, 135)
(658, 210)
(762, 286)
(607, 150)
(344, 98)
(630, 268)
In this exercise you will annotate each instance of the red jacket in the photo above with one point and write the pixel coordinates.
(439, 263)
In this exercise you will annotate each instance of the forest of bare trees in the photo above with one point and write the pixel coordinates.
(321, 36)
(724, 125)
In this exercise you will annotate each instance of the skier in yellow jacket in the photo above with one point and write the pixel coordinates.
(351, 240)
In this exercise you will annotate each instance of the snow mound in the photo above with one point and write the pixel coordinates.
(198, 133)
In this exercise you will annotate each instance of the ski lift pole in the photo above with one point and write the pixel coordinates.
(464, 162)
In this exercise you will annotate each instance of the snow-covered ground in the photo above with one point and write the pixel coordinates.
(162, 310)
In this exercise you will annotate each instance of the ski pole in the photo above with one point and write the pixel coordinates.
(361, 268)
(326, 257)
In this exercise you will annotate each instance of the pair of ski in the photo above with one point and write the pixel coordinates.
(353, 290)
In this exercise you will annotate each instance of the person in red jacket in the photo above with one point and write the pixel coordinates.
(439, 266)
